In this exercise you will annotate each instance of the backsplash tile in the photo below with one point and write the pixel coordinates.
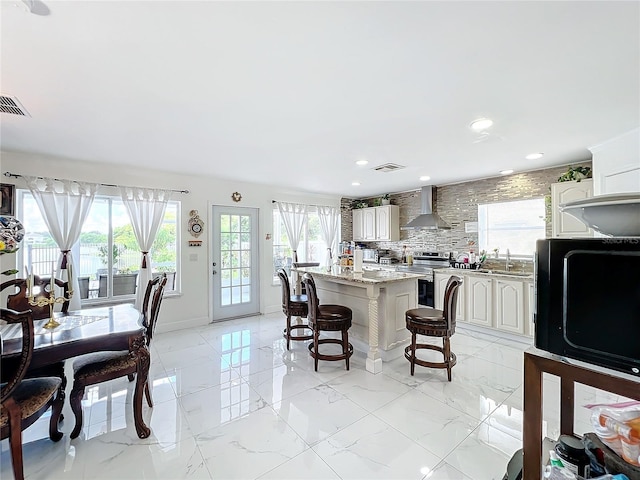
(458, 204)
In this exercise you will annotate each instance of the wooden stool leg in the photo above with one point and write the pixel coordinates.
(413, 352)
(446, 347)
(316, 333)
(288, 331)
(345, 346)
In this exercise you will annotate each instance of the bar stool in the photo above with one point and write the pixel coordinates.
(292, 306)
(330, 318)
(434, 323)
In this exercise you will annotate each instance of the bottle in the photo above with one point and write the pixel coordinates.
(572, 454)
(409, 257)
(404, 254)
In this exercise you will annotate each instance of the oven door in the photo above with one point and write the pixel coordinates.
(425, 293)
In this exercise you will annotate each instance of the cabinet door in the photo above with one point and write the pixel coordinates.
(531, 307)
(563, 224)
(479, 301)
(387, 223)
(368, 223)
(509, 305)
(357, 225)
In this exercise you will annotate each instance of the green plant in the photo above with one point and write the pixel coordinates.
(377, 202)
(103, 253)
(359, 204)
(575, 173)
(386, 196)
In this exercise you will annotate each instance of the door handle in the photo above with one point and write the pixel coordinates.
(214, 272)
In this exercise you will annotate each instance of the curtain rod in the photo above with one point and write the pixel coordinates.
(307, 204)
(16, 175)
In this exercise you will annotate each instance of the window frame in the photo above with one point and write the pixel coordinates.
(110, 299)
(502, 252)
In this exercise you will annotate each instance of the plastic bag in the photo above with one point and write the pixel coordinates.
(618, 426)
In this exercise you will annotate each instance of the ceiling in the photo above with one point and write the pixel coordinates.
(293, 93)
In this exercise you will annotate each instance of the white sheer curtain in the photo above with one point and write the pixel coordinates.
(294, 216)
(146, 207)
(64, 205)
(329, 223)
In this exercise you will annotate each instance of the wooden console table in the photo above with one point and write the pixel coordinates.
(535, 363)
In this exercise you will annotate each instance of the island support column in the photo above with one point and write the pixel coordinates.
(374, 361)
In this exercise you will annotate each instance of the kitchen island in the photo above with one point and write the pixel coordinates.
(379, 300)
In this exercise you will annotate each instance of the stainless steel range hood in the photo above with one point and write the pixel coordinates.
(428, 219)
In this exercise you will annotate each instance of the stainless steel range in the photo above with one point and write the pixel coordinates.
(424, 263)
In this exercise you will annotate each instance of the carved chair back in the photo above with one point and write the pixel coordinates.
(155, 308)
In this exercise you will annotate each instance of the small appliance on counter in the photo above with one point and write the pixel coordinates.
(370, 255)
(388, 260)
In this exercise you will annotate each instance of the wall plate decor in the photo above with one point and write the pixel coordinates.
(236, 197)
(196, 226)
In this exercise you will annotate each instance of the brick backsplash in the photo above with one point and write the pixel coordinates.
(458, 204)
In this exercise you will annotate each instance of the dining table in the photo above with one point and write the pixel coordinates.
(88, 330)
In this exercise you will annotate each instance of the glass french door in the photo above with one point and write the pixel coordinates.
(235, 268)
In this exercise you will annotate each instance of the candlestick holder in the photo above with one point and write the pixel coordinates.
(51, 300)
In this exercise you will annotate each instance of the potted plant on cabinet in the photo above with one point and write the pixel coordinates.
(385, 199)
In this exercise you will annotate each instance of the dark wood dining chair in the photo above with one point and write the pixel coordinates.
(100, 367)
(292, 306)
(18, 302)
(432, 322)
(328, 318)
(41, 286)
(26, 400)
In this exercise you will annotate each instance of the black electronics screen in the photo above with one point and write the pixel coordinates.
(601, 310)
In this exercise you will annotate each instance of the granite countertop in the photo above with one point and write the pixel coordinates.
(513, 275)
(367, 276)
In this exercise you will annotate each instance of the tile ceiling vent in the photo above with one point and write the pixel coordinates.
(388, 167)
(12, 105)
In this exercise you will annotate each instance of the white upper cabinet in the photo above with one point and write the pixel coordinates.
(358, 224)
(388, 223)
(616, 164)
(376, 223)
(564, 225)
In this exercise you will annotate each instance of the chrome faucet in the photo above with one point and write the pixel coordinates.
(508, 265)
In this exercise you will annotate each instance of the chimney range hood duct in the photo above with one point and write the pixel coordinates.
(427, 219)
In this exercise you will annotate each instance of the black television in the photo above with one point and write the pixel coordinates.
(588, 300)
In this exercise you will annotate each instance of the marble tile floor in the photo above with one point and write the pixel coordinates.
(232, 403)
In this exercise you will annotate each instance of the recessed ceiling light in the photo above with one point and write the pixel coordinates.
(481, 124)
(425, 178)
(362, 162)
(505, 172)
(355, 184)
(534, 156)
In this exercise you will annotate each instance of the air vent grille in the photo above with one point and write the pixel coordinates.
(388, 167)
(12, 105)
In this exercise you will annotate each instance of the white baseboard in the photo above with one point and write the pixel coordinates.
(164, 327)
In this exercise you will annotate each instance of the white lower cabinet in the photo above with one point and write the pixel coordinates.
(531, 308)
(493, 301)
(479, 304)
(509, 301)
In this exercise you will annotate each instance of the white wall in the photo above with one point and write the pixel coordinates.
(616, 164)
(192, 306)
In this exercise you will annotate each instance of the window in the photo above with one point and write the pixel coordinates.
(107, 256)
(511, 225)
(312, 247)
